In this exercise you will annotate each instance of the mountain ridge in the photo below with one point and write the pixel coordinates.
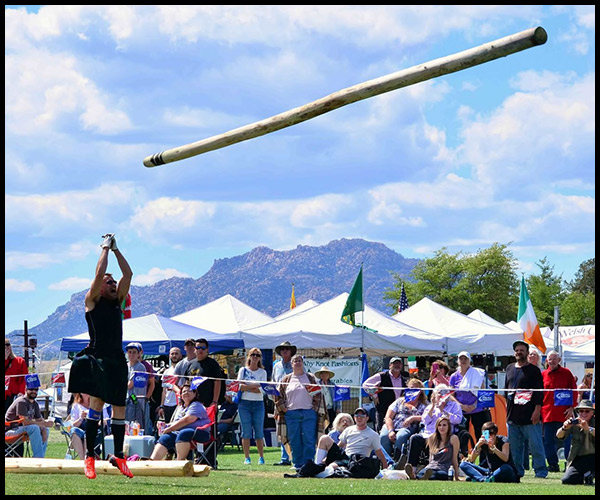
(262, 278)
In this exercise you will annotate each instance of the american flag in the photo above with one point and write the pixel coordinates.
(403, 304)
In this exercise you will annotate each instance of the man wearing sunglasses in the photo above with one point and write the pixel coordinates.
(34, 424)
(100, 370)
(581, 462)
(209, 391)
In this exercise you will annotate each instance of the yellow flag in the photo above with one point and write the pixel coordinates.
(293, 301)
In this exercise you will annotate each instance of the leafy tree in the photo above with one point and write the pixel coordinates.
(578, 309)
(485, 280)
(545, 291)
(585, 278)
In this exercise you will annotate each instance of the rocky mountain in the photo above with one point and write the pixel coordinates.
(262, 278)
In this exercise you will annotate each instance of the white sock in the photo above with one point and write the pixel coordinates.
(320, 456)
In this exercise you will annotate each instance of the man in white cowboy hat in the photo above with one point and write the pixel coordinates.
(333, 407)
(581, 462)
(280, 369)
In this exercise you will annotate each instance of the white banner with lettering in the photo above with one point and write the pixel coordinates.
(347, 370)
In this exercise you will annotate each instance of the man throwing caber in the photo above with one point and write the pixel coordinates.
(100, 370)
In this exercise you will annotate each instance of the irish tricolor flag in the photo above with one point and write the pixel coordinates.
(527, 320)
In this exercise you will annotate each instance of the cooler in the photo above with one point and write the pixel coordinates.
(134, 445)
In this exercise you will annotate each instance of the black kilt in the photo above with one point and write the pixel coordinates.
(103, 376)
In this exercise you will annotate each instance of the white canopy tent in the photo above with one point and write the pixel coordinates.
(224, 315)
(459, 331)
(578, 343)
(484, 318)
(320, 327)
(309, 304)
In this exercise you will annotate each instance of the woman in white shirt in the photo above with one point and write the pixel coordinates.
(251, 406)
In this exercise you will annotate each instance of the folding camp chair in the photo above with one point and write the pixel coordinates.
(16, 440)
(206, 452)
(232, 435)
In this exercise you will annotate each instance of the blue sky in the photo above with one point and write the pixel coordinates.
(502, 152)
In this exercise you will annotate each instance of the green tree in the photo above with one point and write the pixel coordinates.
(578, 309)
(585, 278)
(545, 291)
(486, 280)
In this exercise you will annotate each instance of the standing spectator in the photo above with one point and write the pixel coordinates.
(581, 462)
(152, 404)
(35, 425)
(438, 374)
(182, 366)
(495, 460)
(383, 398)
(523, 410)
(168, 401)
(468, 376)
(443, 454)
(535, 358)
(205, 366)
(302, 409)
(555, 412)
(442, 405)
(15, 370)
(586, 386)
(282, 368)
(333, 407)
(251, 405)
(137, 388)
(403, 419)
(179, 433)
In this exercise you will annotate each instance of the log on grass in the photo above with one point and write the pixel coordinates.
(171, 468)
(202, 470)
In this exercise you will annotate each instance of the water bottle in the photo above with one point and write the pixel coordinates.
(127, 428)
(380, 475)
(68, 456)
(451, 473)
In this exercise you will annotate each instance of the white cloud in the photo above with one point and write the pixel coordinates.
(73, 284)
(156, 274)
(13, 285)
(26, 260)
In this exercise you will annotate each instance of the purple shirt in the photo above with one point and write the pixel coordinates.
(463, 397)
(196, 409)
(452, 409)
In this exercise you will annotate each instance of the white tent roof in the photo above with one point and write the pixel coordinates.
(299, 308)
(320, 327)
(224, 315)
(460, 332)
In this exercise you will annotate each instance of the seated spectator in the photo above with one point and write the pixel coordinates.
(586, 386)
(442, 404)
(79, 412)
(189, 415)
(443, 453)
(581, 462)
(229, 409)
(495, 461)
(34, 424)
(403, 419)
(356, 439)
(339, 424)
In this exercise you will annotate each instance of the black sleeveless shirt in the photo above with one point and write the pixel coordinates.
(105, 325)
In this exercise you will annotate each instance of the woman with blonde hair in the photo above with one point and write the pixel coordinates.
(443, 453)
(251, 407)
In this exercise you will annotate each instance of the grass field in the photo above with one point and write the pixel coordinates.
(233, 478)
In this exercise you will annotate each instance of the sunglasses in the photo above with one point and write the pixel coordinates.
(255, 355)
(583, 411)
(6, 344)
(360, 415)
(111, 282)
(33, 390)
(201, 347)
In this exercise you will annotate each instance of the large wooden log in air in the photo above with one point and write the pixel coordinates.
(432, 69)
(174, 468)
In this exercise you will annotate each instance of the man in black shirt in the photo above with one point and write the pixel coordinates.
(100, 370)
(204, 366)
(523, 410)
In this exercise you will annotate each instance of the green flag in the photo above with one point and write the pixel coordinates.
(355, 301)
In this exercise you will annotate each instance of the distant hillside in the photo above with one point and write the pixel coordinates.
(261, 278)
